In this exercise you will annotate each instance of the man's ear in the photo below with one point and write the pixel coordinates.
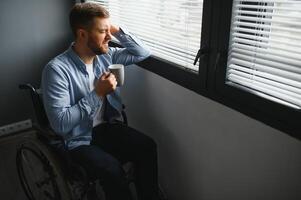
(81, 33)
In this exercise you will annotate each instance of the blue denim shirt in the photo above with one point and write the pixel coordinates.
(68, 101)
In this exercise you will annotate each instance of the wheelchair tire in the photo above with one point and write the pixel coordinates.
(40, 172)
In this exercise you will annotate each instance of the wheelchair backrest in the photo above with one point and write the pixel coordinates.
(36, 97)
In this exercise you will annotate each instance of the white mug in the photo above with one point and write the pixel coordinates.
(118, 71)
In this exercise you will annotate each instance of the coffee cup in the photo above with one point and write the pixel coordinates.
(118, 71)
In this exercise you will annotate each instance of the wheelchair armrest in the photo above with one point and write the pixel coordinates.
(48, 135)
(27, 86)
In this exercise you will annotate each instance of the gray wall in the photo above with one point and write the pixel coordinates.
(208, 151)
(32, 32)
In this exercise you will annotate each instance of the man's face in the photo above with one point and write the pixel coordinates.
(99, 35)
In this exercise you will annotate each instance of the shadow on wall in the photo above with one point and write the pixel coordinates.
(156, 123)
(31, 34)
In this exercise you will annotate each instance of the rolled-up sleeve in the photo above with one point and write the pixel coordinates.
(134, 49)
(63, 116)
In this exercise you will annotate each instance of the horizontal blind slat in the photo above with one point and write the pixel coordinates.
(270, 90)
(287, 89)
(275, 52)
(265, 56)
(174, 52)
(266, 14)
(268, 1)
(266, 33)
(264, 68)
(271, 64)
(260, 39)
(265, 45)
(265, 7)
(263, 26)
(261, 20)
(151, 28)
(270, 76)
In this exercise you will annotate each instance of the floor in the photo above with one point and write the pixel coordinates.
(10, 187)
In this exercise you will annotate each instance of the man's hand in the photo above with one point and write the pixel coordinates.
(114, 29)
(105, 84)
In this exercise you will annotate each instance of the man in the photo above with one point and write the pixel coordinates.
(83, 104)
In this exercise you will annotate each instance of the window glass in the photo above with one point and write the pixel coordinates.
(171, 28)
(264, 49)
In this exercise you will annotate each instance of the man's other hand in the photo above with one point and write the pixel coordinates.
(105, 84)
(114, 29)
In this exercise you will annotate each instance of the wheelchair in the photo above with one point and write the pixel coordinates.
(47, 173)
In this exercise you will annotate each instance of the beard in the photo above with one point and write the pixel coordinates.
(96, 49)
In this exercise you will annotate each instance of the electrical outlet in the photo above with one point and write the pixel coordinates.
(15, 127)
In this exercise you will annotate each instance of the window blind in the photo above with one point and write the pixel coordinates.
(170, 28)
(264, 54)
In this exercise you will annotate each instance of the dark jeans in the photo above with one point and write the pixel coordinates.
(113, 145)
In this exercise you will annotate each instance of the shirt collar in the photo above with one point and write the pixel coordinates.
(78, 61)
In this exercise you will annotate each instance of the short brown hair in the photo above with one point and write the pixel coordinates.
(82, 15)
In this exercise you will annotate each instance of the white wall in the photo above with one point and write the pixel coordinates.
(208, 151)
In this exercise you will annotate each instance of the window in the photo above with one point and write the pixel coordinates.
(264, 50)
(257, 68)
(171, 28)
(250, 51)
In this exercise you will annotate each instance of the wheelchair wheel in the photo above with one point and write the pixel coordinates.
(40, 173)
